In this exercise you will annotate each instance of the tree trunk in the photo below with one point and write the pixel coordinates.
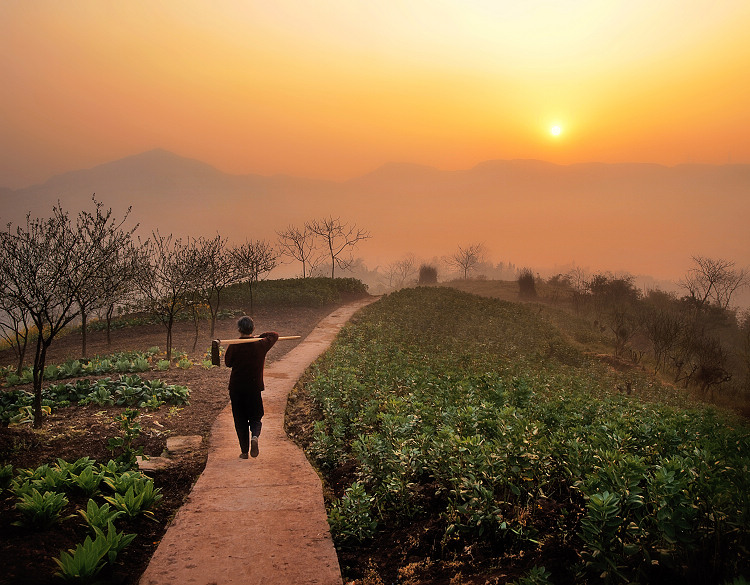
(110, 312)
(84, 326)
(250, 283)
(195, 323)
(39, 360)
(170, 322)
(214, 312)
(21, 350)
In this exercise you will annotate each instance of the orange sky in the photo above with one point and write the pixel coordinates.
(333, 89)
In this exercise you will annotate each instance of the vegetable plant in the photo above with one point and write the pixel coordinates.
(40, 509)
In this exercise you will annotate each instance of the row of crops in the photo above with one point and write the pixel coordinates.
(118, 363)
(127, 389)
(16, 406)
(478, 413)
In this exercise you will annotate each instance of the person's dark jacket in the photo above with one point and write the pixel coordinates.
(247, 361)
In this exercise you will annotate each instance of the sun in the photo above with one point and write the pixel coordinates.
(555, 130)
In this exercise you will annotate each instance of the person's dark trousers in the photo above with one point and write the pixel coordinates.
(247, 411)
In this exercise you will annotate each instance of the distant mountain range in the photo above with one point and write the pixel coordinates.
(643, 218)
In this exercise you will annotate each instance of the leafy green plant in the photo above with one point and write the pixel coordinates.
(153, 403)
(127, 390)
(87, 481)
(84, 562)
(6, 477)
(40, 510)
(350, 517)
(101, 395)
(536, 576)
(136, 500)
(52, 372)
(99, 516)
(122, 366)
(140, 364)
(599, 532)
(26, 415)
(130, 431)
(120, 481)
(71, 369)
(116, 541)
(104, 366)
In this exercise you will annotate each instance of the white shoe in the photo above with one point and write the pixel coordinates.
(254, 447)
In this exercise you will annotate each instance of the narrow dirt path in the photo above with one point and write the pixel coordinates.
(256, 520)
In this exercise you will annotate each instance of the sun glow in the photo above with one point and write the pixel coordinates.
(555, 130)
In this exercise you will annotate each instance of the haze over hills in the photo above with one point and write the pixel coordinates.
(640, 218)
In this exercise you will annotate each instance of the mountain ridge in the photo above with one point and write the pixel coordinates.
(620, 216)
(160, 158)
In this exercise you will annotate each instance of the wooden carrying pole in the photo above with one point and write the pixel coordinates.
(215, 360)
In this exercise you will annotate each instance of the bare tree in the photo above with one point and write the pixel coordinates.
(119, 284)
(714, 281)
(113, 277)
(217, 271)
(49, 263)
(168, 279)
(400, 272)
(744, 348)
(14, 326)
(579, 284)
(663, 325)
(339, 239)
(253, 259)
(467, 258)
(299, 244)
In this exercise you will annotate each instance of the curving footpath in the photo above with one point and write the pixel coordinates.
(258, 520)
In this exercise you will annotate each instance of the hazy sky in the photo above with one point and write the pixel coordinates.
(335, 88)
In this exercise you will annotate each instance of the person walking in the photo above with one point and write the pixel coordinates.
(246, 384)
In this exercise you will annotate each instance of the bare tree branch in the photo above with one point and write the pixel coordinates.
(466, 259)
(252, 260)
(299, 244)
(339, 239)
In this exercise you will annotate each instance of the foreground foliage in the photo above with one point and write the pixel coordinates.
(478, 417)
(44, 494)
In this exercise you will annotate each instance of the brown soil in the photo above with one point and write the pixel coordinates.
(26, 555)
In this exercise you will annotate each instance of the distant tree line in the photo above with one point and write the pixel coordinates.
(696, 338)
(62, 269)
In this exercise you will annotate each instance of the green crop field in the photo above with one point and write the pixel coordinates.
(467, 436)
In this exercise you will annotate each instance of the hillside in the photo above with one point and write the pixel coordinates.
(472, 440)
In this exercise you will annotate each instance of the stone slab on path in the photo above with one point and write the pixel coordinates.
(257, 520)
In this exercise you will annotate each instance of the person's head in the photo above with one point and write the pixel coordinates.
(245, 325)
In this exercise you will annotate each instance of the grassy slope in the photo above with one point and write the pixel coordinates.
(470, 435)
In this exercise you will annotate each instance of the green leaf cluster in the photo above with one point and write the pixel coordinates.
(86, 561)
